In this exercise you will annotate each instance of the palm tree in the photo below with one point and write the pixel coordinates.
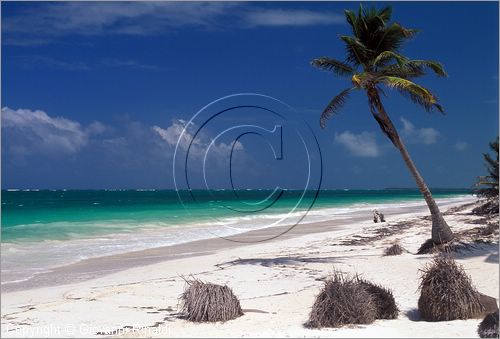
(487, 185)
(373, 60)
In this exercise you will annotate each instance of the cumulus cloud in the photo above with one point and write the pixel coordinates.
(361, 145)
(461, 145)
(28, 131)
(172, 133)
(177, 132)
(426, 136)
(127, 153)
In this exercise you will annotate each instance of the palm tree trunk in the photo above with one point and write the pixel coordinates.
(441, 232)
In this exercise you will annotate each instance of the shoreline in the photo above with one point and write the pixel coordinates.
(94, 267)
(276, 282)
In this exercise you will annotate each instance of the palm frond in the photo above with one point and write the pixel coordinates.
(439, 108)
(400, 83)
(405, 71)
(487, 186)
(406, 68)
(351, 20)
(418, 94)
(332, 65)
(385, 13)
(357, 53)
(374, 45)
(385, 56)
(492, 163)
(333, 107)
(392, 37)
(435, 66)
(409, 33)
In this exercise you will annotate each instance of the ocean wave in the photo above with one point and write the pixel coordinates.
(119, 236)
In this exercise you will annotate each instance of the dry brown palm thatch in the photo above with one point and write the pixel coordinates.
(427, 247)
(488, 328)
(488, 208)
(394, 249)
(447, 292)
(455, 245)
(343, 300)
(384, 300)
(203, 302)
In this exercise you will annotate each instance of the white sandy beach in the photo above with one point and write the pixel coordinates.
(276, 282)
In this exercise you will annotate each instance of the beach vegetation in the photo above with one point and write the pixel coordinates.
(206, 302)
(349, 300)
(446, 292)
(488, 328)
(486, 186)
(394, 249)
(385, 304)
(342, 301)
(374, 61)
(429, 247)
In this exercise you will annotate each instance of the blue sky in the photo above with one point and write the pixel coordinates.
(94, 94)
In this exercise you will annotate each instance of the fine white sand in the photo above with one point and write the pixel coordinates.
(275, 281)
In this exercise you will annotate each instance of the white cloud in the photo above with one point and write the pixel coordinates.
(361, 145)
(172, 134)
(426, 136)
(282, 17)
(33, 131)
(52, 20)
(94, 18)
(95, 128)
(461, 145)
(177, 131)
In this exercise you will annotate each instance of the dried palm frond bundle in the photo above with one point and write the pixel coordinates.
(454, 246)
(202, 302)
(394, 249)
(346, 300)
(447, 292)
(384, 300)
(488, 328)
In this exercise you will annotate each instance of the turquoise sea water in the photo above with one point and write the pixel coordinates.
(49, 228)
(58, 215)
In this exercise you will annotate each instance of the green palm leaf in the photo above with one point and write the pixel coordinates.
(357, 53)
(405, 71)
(333, 107)
(418, 94)
(351, 20)
(375, 46)
(393, 37)
(385, 13)
(389, 55)
(405, 68)
(333, 65)
(435, 66)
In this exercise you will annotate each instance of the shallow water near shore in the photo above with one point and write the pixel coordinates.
(63, 227)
